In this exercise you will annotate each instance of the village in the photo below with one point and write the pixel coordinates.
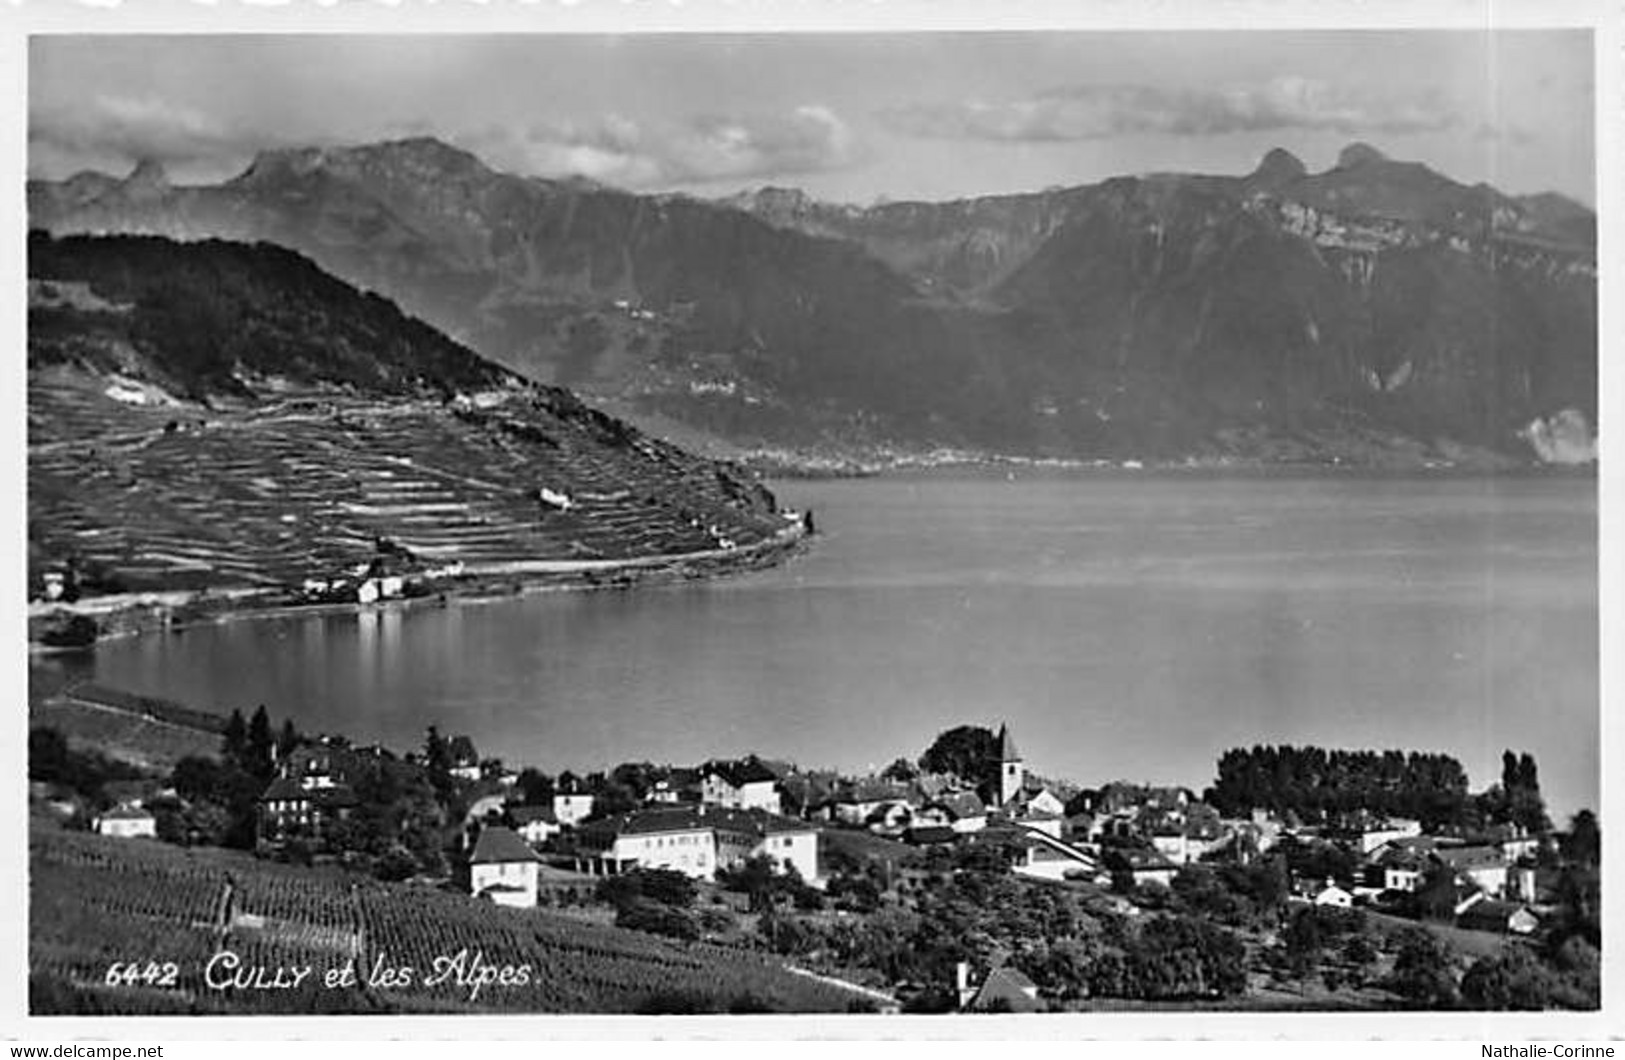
(807, 855)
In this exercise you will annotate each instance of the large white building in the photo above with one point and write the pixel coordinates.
(697, 841)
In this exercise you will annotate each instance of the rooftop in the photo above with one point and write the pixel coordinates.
(497, 845)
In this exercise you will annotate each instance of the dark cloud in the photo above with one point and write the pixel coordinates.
(618, 150)
(1092, 112)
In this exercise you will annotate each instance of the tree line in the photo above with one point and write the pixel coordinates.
(1316, 784)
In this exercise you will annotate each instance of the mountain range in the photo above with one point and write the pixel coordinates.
(1377, 312)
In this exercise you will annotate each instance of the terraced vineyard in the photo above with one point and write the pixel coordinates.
(272, 496)
(96, 901)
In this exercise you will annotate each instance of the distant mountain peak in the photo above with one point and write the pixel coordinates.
(148, 173)
(1278, 168)
(1359, 154)
(280, 161)
(417, 152)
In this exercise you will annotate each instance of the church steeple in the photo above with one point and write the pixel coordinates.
(1011, 771)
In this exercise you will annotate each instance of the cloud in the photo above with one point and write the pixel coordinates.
(122, 130)
(618, 150)
(1093, 112)
(1503, 133)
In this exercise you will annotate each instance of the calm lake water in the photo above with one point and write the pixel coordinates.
(1126, 627)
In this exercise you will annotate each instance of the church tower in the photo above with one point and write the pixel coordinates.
(1011, 771)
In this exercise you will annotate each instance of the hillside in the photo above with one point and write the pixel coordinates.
(229, 417)
(1376, 312)
(95, 901)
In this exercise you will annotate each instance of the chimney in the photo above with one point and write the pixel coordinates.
(962, 987)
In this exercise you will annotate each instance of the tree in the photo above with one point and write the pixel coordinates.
(1513, 979)
(535, 787)
(969, 752)
(754, 877)
(287, 740)
(1424, 971)
(260, 759)
(901, 771)
(234, 745)
(437, 760)
(1583, 843)
(47, 755)
(1303, 939)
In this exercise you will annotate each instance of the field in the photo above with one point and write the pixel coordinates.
(131, 728)
(98, 902)
(180, 497)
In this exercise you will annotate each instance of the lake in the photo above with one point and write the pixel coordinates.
(1125, 626)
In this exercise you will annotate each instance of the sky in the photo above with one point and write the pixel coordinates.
(848, 117)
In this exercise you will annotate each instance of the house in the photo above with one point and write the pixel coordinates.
(1005, 989)
(127, 822)
(742, 785)
(854, 803)
(962, 810)
(890, 818)
(503, 868)
(1035, 798)
(678, 785)
(571, 805)
(1506, 918)
(316, 766)
(1396, 868)
(1190, 834)
(1513, 840)
(696, 841)
(1047, 857)
(1365, 832)
(1147, 866)
(680, 839)
(310, 792)
(1332, 896)
(1484, 865)
(289, 809)
(534, 824)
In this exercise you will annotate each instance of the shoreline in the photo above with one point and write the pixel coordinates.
(951, 462)
(172, 611)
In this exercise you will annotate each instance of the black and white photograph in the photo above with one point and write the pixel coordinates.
(963, 523)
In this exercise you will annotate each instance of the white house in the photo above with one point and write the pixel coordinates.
(1396, 868)
(746, 785)
(570, 807)
(1372, 835)
(1485, 866)
(1333, 896)
(535, 824)
(790, 843)
(503, 869)
(127, 822)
